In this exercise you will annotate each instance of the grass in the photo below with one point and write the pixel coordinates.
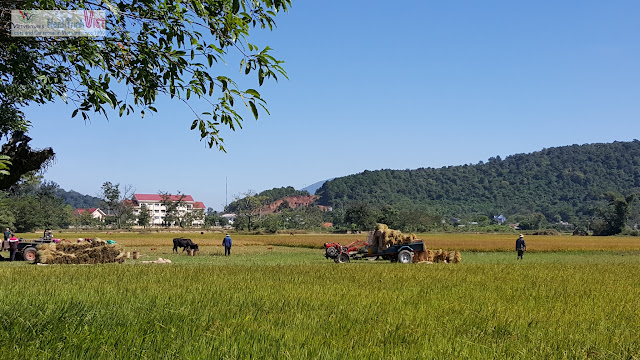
(279, 302)
(463, 241)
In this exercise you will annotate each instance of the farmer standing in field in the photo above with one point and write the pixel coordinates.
(227, 245)
(13, 247)
(7, 235)
(521, 247)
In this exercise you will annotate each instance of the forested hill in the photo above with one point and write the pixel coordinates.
(77, 200)
(559, 182)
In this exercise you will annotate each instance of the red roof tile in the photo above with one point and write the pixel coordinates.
(156, 197)
(198, 205)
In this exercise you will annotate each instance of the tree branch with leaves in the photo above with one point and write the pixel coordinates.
(153, 49)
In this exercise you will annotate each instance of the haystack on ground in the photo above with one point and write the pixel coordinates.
(96, 251)
(440, 256)
(452, 257)
(430, 255)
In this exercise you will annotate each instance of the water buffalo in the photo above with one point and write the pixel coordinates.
(185, 244)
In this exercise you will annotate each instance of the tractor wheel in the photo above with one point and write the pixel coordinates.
(29, 254)
(332, 252)
(405, 257)
(342, 258)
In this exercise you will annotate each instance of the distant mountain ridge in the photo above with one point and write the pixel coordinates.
(563, 183)
(315, 186)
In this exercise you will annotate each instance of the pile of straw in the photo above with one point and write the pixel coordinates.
(438, 256)
(159, 261)
(95, 251)
(384, 237)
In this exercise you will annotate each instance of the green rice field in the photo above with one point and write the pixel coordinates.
(288, 302)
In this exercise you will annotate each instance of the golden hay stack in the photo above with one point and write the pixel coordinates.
(94, 252)
(420, 256)
(450, 257)
(384, 237)
(430, 255)
(440, 256)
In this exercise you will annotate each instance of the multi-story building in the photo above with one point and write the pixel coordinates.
(156, 206)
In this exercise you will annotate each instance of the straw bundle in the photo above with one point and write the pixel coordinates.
(421, 256)
(95, 251)
(430, 255)
(440, 256)
(450, 257)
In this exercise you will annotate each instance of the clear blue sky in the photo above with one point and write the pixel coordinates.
(372, 86)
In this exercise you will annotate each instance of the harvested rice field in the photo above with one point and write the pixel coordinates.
(277, 297)
(462, 242)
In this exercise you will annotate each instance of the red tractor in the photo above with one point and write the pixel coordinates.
(342, 254)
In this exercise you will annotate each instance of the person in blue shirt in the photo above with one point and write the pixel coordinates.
(521, 247)
(227, 245)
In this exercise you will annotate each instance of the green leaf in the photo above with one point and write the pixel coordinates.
(254, 109)
(253, 92)
(105, 98)
(75, 112)
(236, 6)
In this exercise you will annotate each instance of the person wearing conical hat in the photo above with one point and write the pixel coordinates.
(227, 245)
(521, 246)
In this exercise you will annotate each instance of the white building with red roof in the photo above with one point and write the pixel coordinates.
(94, 212)
(155, 203)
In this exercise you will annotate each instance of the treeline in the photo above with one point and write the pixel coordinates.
(562, 184)
(33, 204)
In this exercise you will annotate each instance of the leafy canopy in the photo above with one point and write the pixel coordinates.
(153, 47)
